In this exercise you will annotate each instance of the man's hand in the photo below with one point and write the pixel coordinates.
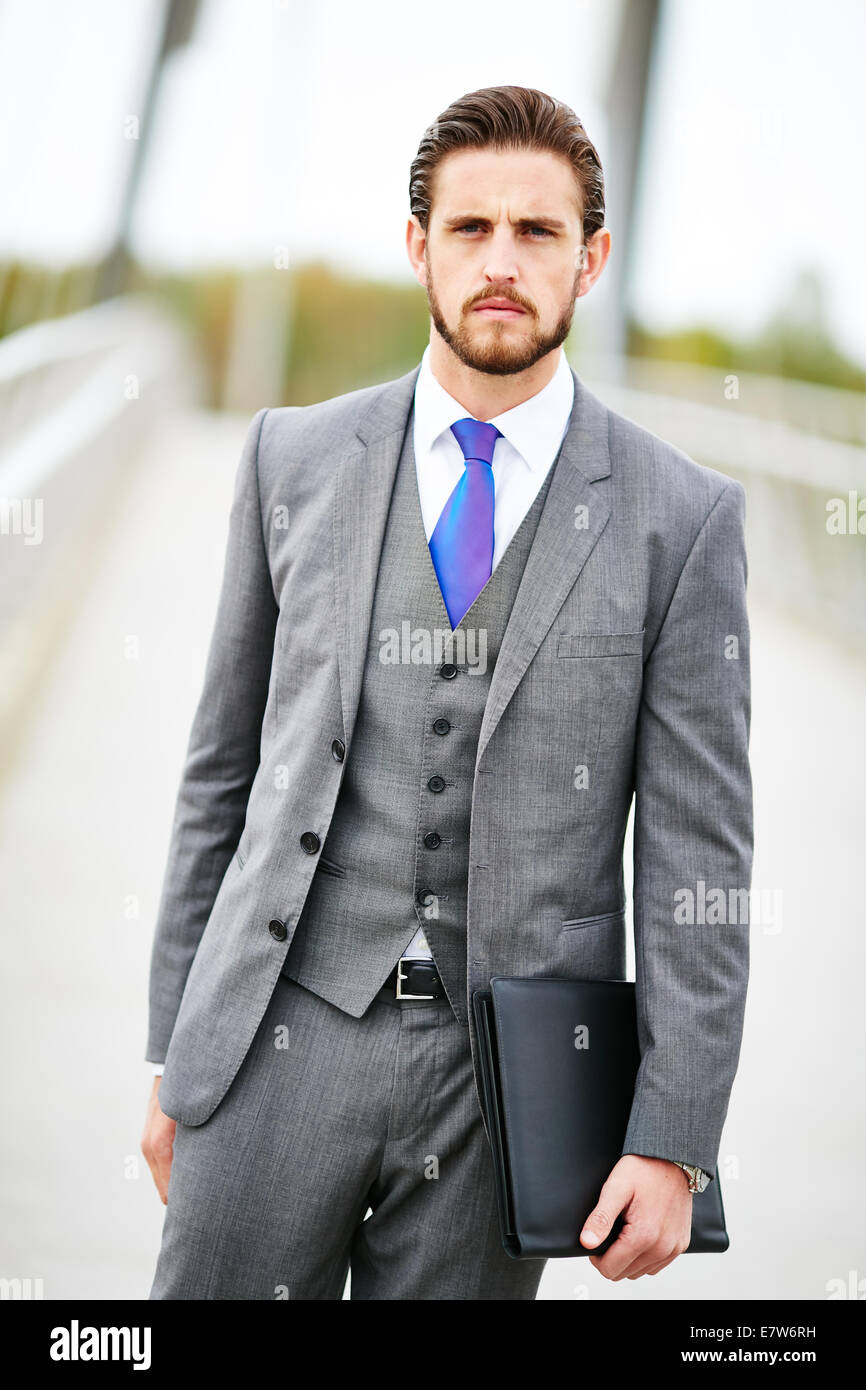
(654, 1196)
(157, 1142)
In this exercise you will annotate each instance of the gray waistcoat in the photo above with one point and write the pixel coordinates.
(397, 850)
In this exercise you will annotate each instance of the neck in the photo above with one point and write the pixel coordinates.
(482, 394)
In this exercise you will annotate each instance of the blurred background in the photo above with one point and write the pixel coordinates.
(204, 210)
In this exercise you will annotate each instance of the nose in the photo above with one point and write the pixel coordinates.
(501, 263)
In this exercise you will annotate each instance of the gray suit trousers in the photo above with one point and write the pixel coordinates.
(328, 1117)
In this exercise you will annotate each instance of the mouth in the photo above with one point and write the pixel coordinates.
(499, 309)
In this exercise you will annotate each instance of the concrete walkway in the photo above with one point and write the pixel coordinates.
(86, 809)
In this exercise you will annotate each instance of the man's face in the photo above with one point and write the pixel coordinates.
(504, 226)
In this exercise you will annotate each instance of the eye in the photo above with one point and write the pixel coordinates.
(472, 226)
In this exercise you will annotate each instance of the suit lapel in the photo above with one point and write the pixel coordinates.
(575, 514)
(364, 482)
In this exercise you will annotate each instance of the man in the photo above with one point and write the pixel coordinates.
(466, 616)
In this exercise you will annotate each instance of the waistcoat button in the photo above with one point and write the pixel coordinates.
(425, 896)
(436, 784)
(338, 750)
(432, 840)
(277, 929)
(310, 842)
(448, 671)
(441, 726)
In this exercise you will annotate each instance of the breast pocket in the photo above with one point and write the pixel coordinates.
(598, 644)
(602, 668)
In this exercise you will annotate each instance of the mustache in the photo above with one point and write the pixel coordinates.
(498, 294)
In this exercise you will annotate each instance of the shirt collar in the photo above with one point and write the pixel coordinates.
(535, 428)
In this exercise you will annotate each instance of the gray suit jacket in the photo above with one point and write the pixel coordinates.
(628, 641)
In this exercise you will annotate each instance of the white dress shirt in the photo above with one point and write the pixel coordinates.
(532, 434)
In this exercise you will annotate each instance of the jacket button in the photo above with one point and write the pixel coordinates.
(425, 896)
(338, 750)
(448, 671)
(432, 840)
(310, 842)
(277, 929)
(436, 784)
(441, 726)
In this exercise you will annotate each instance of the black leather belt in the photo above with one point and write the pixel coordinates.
(412, 978)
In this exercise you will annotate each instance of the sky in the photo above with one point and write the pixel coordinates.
(291, 124)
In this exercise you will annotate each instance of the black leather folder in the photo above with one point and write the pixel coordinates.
(558, 1063)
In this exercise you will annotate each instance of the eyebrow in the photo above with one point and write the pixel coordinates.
(552, 222)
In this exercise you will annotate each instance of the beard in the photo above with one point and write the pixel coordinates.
(497, 349)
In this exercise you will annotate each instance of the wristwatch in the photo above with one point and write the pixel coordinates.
(698, 1179)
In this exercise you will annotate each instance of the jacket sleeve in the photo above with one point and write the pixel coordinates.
(693, 850)
(223, 751)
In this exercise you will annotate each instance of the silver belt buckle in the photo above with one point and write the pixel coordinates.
(401, 977)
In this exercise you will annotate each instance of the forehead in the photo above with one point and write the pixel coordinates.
(506, 183)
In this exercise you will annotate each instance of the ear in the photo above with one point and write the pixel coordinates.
(416, 242)
(597, 250)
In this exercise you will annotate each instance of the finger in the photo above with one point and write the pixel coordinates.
(634, 1269)
(157, 1147)
(159, 1182)
(621, 1255)
(643, 1250)
(154, 1165)
(147, 1150)
(613, 1198)
(655, 1269)
(162, 1181)
(164, 1171)
(656, 1257)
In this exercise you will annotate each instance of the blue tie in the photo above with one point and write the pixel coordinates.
(461, 545)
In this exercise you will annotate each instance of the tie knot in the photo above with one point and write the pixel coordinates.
(476, 438)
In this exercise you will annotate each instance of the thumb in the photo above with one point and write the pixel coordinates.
(597, 1227)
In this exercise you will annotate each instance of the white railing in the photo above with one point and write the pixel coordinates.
(796, 475)
(79, 397)
(825, 411)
